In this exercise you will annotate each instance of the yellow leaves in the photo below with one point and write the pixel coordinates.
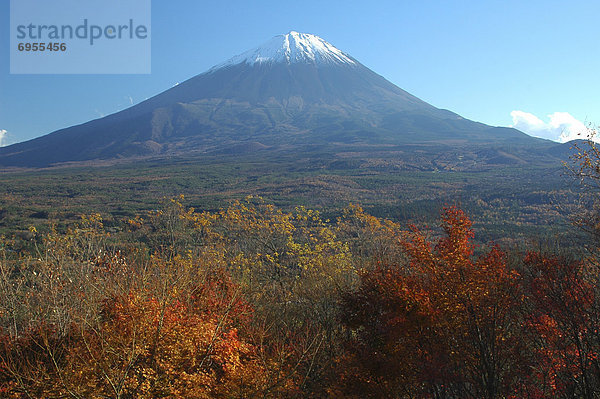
(143, 313)
(92, 221)
(135, 223)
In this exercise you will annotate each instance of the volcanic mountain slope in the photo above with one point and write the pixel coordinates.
(294, 93)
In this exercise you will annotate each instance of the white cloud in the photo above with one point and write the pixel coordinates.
(562, 126)
(3, 138)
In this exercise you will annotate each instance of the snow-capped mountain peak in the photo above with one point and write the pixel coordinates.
(291, 48)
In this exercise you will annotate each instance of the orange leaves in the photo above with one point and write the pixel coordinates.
(444, 321)
(456, 283)
(252, 301)
(145, 347)
(456, 245)
(564, 320)
(181, 351)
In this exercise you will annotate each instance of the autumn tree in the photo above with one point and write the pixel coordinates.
(95, 321)
(255, 301)
(293, 267)
(444, 325)
(563, 318)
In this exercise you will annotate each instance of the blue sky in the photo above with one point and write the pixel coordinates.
(532, 64)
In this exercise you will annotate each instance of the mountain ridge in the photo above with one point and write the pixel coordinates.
(295, 91)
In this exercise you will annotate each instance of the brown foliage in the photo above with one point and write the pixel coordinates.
(252, 301)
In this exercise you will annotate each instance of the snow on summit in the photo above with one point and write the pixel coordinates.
(290, 48)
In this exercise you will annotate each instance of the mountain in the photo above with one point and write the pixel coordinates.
(296, 92)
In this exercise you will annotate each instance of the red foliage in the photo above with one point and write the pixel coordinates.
(442, 326)
(564, 323)
(141, 346)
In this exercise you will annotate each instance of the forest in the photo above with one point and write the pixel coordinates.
(254, 301)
